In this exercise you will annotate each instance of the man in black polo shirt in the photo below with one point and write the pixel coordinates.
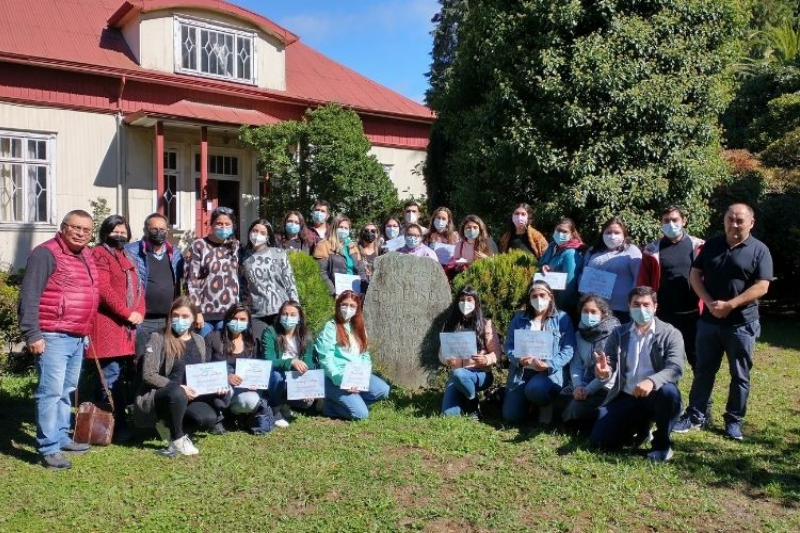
(731, 273)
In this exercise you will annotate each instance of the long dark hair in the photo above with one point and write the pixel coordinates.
(108, 226)
(300, 330)
(510, 227)
(302, 235)
(600, 245)
(482, 242)
(456, 321)
(552, 310)
(270, 233)
(247, 335)
(173, 346)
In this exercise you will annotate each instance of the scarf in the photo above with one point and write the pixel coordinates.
(351, 265)
(599, 332)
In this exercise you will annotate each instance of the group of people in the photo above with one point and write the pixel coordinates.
(144, 311)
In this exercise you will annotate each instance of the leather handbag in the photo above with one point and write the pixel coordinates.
(94, 424)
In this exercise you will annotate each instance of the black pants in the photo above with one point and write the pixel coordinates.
(174, 407)
(686, 323)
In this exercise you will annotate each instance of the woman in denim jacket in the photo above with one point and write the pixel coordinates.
(531, 379)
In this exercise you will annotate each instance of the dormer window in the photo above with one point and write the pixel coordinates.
(213, 50)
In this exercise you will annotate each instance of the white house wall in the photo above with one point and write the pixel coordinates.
(406, 168)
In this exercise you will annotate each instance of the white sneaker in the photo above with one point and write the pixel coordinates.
(184, 446)
(281, 423)
(163, 431)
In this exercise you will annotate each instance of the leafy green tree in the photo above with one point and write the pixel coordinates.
(589, 109)
(323, 156)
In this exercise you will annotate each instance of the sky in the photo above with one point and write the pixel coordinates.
(388, 41)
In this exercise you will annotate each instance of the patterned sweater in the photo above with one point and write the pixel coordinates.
(213, 279)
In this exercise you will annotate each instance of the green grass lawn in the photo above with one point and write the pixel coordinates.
(408, 469)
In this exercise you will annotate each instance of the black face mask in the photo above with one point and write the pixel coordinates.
(157, 236)
(116, 241)
(369, 236)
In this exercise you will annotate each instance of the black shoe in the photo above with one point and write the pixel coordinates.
(218, 429)
(56, 461)
(75, 448)
(122, 435)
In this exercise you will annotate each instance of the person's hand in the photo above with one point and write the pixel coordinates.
(720, 309)
(580, 393)
(480, 360)
(234, 380)
(601, 368)
(300, 366)
(480, 255)
(545, 269)
(453, 362)
(525, 361)
(539, 365)
(135, 318)
(190, 393)
(223, 392)
(37, 348)
(643, 388)
(199, 321)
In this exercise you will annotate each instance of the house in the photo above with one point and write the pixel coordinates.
(140, 101)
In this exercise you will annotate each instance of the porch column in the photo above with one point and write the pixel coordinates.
(161, 185)
(203, 218)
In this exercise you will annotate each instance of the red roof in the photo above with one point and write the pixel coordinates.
(75, 34)
(203, 112)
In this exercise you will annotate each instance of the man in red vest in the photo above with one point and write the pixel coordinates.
(58, 304)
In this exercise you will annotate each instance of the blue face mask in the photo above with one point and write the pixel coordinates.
(672, 230)
(590, 321)
(412, 242)
(181, 325)
(392, 232)
(291, 228)
(223, 233)
(641, 315)
(319, 217)
(439, 224)
(561, 237)
(289, 322)
(342, 234)
(472, 233)
(237, 326)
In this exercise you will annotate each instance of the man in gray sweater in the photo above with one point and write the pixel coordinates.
(644, 361)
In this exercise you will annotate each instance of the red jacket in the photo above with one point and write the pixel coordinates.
(70, 298)
(121, 294)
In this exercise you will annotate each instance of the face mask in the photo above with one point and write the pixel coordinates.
(392, 232)
(412, 242)
(519, 220)
(289, 322)
(540, 304)
(116, 241)
(641, 315)
(342, 233)
(411, 217)
(561, 237)
(237, 326)
(319, 216)
(439, 224)
(347, 313)
(672, 230)
(257, 239)
(157, 236)
(590, 321)
(472, 233)
(223, 233)
(613, 240)
(466, 307)
(181, 325)
(369, 236)
(291, 228)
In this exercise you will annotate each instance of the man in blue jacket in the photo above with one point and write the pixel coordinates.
(644, 361)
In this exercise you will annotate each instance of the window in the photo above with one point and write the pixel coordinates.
(209, 49)
(389, 171)
(171, 179)
(26, 177)
(220, 165)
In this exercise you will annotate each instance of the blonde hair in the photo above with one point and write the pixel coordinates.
(337, 245)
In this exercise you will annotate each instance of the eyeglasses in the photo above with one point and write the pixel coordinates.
(80, 230)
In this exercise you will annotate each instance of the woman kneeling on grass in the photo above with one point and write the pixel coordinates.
(290, 347)
(164, 399)
(343, 341)
(469, 376)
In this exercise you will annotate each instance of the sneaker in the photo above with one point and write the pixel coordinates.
(218, 429)
(686, 423)
(546, 414)
(286, 411)
(281, 423)
(660, 456)
(74, 448)
(733, 430)
(184, 446)
(56, 461)
(163, 431)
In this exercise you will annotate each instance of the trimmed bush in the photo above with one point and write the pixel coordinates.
(317, 303)
(9, 317)
(502, 283)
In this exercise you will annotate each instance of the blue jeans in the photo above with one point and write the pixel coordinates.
(464, 384)
(211, 325)
(626, 416)
(277, 388)
(244, 401)
(58, 370)
(353, 405)
(537, 389)
(738, 342)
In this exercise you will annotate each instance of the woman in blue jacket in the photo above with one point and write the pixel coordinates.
(564, 255)
(531, 379)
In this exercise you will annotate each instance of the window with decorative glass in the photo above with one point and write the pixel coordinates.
(213, 50)
(171, 179)
(26, 179)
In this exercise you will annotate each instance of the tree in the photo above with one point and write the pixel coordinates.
(589, 109)
(323, 156)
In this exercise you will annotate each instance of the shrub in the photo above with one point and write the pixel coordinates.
(502, 283)
(317, 303)
(9, 317)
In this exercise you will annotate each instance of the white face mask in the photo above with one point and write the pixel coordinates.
(613, 240)
(539, 304)
(347, 312)
(257, 239)
(411, 217)
(466, 307)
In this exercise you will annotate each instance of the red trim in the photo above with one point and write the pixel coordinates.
(203, 212)
(159, 155)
